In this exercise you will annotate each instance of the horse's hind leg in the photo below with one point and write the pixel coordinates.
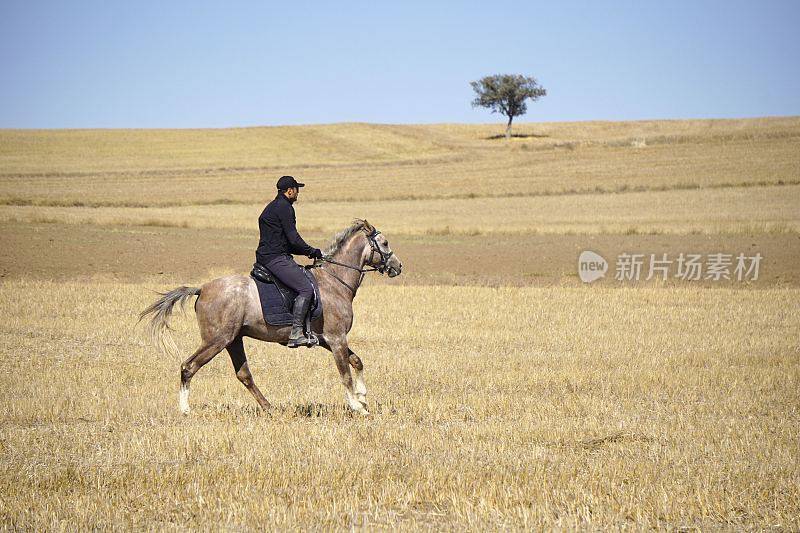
(189, 368)
(242, 369)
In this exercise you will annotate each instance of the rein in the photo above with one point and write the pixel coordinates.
(362, 270)
(340, 280)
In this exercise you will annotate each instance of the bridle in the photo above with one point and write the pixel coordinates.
(382, 268)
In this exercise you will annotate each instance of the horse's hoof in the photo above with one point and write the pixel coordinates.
(356, 404)
(364, 411)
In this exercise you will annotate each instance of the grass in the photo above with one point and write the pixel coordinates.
(678, 211)
(598, 189)
(569, 421)
(384, 162)
(560, 407)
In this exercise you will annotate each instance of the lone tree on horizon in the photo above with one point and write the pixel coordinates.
(506, 94)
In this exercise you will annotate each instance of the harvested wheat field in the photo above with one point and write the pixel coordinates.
(505, 393)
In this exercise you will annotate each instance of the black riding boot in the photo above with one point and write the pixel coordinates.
(298, 337)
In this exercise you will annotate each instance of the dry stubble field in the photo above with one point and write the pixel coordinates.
(547, 404)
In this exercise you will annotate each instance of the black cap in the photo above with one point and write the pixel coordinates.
(287, 182)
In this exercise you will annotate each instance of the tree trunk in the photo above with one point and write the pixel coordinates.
(508, 127)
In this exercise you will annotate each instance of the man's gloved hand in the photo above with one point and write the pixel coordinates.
(316, 254)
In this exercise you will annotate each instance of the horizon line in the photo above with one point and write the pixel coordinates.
(364, 123)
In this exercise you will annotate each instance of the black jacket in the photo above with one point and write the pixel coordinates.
(278, 232)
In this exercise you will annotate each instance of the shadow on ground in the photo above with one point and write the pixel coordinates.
(315, 409)
(298, 410)
(517, 136)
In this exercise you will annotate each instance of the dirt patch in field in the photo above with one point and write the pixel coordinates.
(60, 251)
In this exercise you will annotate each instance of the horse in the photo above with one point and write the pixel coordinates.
(228, 309)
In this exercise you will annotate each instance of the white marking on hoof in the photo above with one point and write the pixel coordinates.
(359, 387)
(183, 400)
(355, 404)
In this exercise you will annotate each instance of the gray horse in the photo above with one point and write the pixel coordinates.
(229, 309)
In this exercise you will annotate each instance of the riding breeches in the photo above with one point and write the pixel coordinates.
(291, 274)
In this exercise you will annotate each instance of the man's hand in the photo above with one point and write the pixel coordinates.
(316, 254)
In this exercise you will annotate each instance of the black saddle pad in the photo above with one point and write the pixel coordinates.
(277, 301)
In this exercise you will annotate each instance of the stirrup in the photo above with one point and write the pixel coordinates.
(308, 332)
(312, 340)
(309, 340)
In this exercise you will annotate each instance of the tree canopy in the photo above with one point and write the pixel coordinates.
(506, 94)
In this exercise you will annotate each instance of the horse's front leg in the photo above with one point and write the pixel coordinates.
(355, 395)
(357, 371)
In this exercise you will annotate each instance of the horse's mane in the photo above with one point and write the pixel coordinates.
(343, 236)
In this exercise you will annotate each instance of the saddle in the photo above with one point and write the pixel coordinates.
(277, 299)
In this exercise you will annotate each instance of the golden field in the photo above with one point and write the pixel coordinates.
(596, 177)
(549, 404)
(341, 162)
(736, 210)
(594, 408)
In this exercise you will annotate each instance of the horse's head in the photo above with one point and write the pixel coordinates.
(377, 253)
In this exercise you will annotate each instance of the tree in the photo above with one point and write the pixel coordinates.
(506, 94)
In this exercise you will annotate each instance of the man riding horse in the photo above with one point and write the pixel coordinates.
(229, 309)
(279, 240)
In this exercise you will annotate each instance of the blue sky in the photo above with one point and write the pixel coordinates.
(143, 64)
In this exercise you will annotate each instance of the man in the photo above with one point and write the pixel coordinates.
(279, 239)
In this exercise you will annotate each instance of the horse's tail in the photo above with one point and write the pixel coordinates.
(161, 311)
